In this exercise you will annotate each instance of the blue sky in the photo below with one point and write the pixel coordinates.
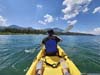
(82, 15)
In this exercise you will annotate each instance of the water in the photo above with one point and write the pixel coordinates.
(18, 51)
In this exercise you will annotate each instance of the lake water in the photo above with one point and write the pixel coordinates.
(18, 51)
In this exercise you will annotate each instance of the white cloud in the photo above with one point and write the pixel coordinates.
(70, 25)
(39, 6)
(74, 7)
(47, 19)
(96, 31)
(3, 21)
(41, 22)
(97, 9)
(72, 22)
(85, 10)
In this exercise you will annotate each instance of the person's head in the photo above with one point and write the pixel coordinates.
(50, 32)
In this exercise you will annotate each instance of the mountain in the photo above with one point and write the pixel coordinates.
(19, 27)
(2, 28)
(15, 27)
(58, 29)
(30, 30)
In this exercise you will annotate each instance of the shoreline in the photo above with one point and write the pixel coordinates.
(69, 34)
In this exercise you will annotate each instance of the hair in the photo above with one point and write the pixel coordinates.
(50, 32)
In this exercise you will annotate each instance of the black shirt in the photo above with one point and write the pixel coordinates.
(51, 37)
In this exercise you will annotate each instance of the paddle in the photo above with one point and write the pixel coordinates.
(37, 47)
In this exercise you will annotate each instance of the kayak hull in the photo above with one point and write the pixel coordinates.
(48, 70)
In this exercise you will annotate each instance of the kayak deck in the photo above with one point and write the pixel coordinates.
(48, 70)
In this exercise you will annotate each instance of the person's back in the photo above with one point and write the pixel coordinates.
(50, 43)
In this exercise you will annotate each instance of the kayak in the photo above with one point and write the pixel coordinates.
(49, 70)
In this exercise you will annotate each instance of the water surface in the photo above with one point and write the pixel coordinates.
(18, 51)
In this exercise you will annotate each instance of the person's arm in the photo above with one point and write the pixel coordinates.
(58, 39)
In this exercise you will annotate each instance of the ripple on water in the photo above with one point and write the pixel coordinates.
(17, 52)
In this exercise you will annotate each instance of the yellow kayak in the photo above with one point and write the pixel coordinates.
(48, 70)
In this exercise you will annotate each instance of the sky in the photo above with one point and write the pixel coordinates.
(73, 15)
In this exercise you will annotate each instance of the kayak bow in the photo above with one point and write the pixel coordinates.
(48, 70)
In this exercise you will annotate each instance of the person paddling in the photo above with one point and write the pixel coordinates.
(50, 42)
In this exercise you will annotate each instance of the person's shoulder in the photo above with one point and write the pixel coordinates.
(56, 36)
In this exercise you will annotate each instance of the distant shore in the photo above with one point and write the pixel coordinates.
(44, 33)
(16, 30)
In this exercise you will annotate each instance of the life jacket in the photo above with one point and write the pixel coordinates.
(51, 47)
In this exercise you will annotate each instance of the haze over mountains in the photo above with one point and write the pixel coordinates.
(19, 29)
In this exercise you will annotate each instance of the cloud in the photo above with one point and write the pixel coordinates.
(72, 22)
(39, 6)
(97, 9)
(3, 21)
(70, 25)
(85, 10)
(47, 19)
(96, 31)
(41, 22)
(74, 7)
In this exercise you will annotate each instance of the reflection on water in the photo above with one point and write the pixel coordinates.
(18, 51)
